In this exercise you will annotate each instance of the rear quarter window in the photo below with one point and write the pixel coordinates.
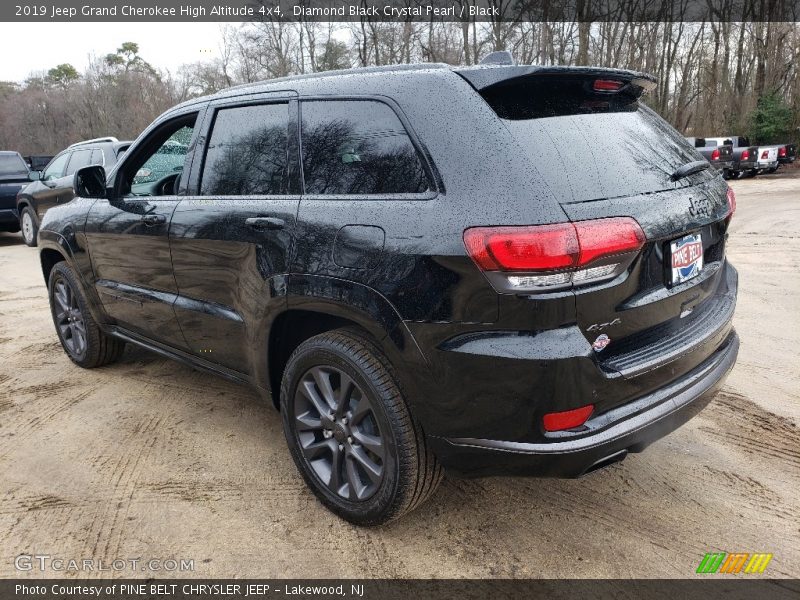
(358, 147)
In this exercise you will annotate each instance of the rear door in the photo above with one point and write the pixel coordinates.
(80, 158)
(45, 193)
(233, 233)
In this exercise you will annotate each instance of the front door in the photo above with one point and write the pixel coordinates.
(128, 234)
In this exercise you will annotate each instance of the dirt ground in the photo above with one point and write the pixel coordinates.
(149, 459)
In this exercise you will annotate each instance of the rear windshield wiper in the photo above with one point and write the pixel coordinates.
(689, 169)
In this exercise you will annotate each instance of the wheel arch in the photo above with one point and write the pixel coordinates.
(319, 304)
(49, 258)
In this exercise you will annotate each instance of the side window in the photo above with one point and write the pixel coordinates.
(247, 151)
(56, 168)
(97, 157)
(156, 165)
(358, 147)
(80, 159)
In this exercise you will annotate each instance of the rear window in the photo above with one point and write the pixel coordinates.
(12, 164)
(590, 146)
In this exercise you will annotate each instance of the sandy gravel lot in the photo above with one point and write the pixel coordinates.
(149, 459)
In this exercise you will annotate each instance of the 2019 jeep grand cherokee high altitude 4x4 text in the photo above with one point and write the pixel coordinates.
(500, 269)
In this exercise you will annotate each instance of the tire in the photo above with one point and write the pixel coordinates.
(28, 226)
(380, 435)
(83, 341)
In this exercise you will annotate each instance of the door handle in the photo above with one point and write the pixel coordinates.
(263, 223)
(153, 219)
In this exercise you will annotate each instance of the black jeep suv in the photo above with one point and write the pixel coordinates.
(498, 269)
(54, 185)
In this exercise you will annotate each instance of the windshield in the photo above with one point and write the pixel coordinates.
(12, 164)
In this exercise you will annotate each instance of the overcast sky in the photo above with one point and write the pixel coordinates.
(27, 47)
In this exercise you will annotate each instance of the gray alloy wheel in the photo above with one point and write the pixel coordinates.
(82, 339)
(28, 227)
(338, 433)
(69, 320)
(350, 432)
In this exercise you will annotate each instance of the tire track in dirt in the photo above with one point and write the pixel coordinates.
(39, 413)
(746, 426)
(105, 530)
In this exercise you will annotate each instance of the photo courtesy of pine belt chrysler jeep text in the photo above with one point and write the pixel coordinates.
(489, 270)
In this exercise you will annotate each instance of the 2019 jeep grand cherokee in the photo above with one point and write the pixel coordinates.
(501, 269)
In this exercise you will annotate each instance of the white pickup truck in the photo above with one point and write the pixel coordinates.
(768, 159)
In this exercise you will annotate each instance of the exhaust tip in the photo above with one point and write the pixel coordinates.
(606, 461)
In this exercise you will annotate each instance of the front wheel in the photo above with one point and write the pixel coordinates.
(350, 432)
(82, 339)
(27, 224)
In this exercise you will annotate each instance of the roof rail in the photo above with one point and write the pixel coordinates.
(95, 141)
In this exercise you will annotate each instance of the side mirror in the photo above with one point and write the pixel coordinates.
(90, 182)
(34, 175)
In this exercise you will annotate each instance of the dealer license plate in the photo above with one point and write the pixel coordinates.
(686, 255)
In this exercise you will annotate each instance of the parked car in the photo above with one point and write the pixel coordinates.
(745, 156)
(787, 154)
(423, 267)
(719, 156)
(54, 185)
(14, 175)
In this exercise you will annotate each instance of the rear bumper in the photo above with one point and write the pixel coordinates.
(745, 165)
(722, 165)
(605, 438)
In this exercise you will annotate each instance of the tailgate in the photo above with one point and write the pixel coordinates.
(767, 155)
(725, 152)
(637, 310)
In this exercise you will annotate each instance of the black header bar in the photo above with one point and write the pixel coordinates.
(400, 10)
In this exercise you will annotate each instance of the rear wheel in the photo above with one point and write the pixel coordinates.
(350, 432)
(27, 224)
(79, 334)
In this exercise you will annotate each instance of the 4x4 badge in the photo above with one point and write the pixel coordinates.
(601, 342)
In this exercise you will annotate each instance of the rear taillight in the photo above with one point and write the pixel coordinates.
(569, 419)
(542, 258)
(731, 202)
(607, 85)
(745, 155)
(765, 154)
(782, 151)
(715, 154)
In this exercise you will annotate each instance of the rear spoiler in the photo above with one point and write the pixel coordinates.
(488, 77)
